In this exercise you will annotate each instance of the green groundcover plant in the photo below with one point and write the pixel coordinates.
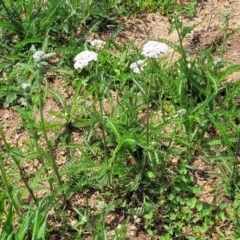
(141, 121)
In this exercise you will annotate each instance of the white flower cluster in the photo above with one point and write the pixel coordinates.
(84, 58)
(99, 44)
(138, 66)
(152, 49)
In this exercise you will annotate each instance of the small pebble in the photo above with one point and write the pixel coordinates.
(17, 137)
(132, 233)
(6, 116)
(138, 220)
(62, 153)
(133, 228)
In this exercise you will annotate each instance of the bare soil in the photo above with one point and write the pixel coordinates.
(140, 29)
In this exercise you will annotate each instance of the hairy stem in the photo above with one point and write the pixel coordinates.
(100, 100)
(51, 155)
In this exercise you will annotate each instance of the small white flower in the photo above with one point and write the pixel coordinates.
(138, 66)
(99, 44)
(84, 58)
(153, 49)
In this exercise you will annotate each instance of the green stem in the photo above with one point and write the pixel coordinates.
(100, 99)
(234, 171)
(51, 155)
(148, 106)
(8, 187)
(104, 140)
(21, 172)
(103, 131)
(183, 52)
(147, 116)
(41, 159)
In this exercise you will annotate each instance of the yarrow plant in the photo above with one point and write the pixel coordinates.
(84, 58)
(39, 58)
(153, 50)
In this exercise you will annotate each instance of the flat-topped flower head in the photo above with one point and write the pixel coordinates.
(84, 58)
(138, 66)
(153, 49)
(99, 44)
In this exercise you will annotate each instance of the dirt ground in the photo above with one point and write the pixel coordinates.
(140, 29)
